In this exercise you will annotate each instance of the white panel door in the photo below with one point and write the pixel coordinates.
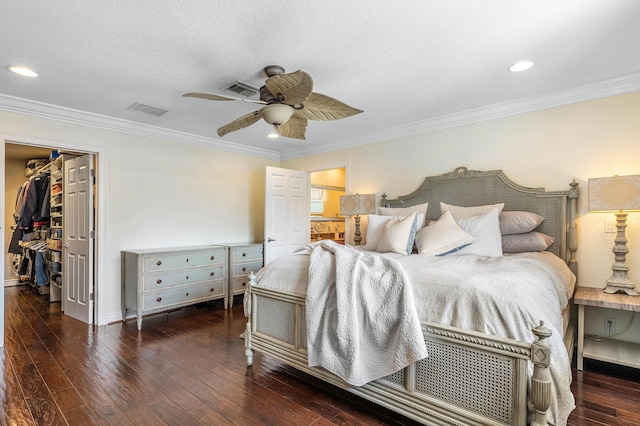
(77, 226)
(286, 211)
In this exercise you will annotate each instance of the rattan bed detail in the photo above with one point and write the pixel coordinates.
(476, 381)
(276, 319)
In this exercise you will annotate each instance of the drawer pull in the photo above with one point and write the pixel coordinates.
(212, 289)
(159, 262)
(187, 260)
(244, 268)
(159, 281)
(212, 274)
(244, 284)
(244, 254)
(213, 257)
(158, 299)
(187, 293)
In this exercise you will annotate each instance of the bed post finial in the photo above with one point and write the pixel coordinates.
(541, 379)
(383, 199)
(572, 244)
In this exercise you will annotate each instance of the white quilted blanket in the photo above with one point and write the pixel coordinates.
(362, 322)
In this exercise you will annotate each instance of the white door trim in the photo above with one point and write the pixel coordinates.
(101, 225)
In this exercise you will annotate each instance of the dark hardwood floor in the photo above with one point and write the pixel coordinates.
(187, 367)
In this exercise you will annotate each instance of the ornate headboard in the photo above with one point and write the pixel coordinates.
(464, 187)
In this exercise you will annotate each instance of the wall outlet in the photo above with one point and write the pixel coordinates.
(609, 325)
(610, 226)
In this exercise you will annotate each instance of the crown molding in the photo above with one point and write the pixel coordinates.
(69, 115)
(612, 87)
(602, 89)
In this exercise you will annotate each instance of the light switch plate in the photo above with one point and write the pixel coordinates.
(610, 226)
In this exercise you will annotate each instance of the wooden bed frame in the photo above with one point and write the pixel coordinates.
(469, 377)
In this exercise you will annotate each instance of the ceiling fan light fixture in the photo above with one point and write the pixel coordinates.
(276, 114)
(273, 135)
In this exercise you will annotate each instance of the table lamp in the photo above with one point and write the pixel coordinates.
(618, 194)
(357, 204)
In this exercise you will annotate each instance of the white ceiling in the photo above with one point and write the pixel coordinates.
(411, 65)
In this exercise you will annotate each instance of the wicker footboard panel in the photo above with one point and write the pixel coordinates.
(468, 377)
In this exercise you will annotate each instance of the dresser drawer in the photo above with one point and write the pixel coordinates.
(160, 262)
(240, 254)
(183, 295)
(246, 268)
(238, 285)
(190, 276)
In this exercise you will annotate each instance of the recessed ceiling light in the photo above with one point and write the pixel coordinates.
(273, 136)
(23, 71)
(521, 66)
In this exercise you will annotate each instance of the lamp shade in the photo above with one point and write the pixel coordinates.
(357, 204)
(614, 193)
(276, 114)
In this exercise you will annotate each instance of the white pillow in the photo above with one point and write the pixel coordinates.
(398, 235)
(529, 241)
(486, 229)
(405, 211)
(518, 222)
(442, 237)
(375, 226)
(461, 212)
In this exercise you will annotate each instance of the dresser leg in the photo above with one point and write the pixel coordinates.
(580, 337)
(139, 322)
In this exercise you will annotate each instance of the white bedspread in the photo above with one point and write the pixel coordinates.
(361, 317)
(504, 296)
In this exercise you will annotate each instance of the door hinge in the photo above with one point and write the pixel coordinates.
(92, 234)
(92, 172)
(91, 297)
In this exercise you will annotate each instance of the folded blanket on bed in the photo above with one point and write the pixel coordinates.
(362, 322)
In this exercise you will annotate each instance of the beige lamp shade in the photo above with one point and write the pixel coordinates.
(357, 204)
(614, 193)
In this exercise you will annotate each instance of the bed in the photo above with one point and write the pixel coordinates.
(476, 371)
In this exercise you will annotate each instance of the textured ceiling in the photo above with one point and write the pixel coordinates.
(410, 65)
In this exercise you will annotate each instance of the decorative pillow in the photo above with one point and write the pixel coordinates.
(375, 226)
(398, 235)
(405, 211)
(486, 229)
(442, 237)
(462, 212)
(518, 222)
(530, 241)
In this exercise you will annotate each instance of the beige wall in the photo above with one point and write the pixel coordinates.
(160, 193)
(546, 148)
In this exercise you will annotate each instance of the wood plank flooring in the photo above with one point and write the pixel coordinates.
(187, 367)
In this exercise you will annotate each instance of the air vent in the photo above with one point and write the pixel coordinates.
(241, 89)
(147, 109)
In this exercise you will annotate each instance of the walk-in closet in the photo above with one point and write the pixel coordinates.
(49, 217)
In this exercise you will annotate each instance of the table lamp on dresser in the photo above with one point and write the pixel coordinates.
(355, 205)
(619, 194)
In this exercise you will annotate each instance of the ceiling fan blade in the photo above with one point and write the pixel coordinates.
(293, 88)
(294, 128)
(323, 107)
(212, 97)
(240, 123)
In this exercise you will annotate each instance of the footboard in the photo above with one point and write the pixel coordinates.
(468, 378)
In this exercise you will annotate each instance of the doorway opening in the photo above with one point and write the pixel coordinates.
(326, 185)
(64, 273)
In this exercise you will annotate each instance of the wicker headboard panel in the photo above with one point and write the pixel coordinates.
(464, 187)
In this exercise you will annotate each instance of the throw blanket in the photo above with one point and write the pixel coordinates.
(362, 322)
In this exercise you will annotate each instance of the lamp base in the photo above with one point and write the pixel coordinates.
(613, 288)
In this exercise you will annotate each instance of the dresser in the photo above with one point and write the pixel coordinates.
(244, 258)
(155, 280)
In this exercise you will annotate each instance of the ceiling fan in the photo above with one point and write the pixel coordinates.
(289, 102)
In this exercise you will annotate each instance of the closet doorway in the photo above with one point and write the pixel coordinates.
(66, 240)
(327, 184)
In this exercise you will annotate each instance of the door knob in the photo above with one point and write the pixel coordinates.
(270, 239)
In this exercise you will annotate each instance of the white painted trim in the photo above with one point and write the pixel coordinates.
(101, 272)
(616, 86)
(54, 112)
(11, 282)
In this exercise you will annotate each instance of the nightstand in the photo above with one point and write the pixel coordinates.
(609, 350)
